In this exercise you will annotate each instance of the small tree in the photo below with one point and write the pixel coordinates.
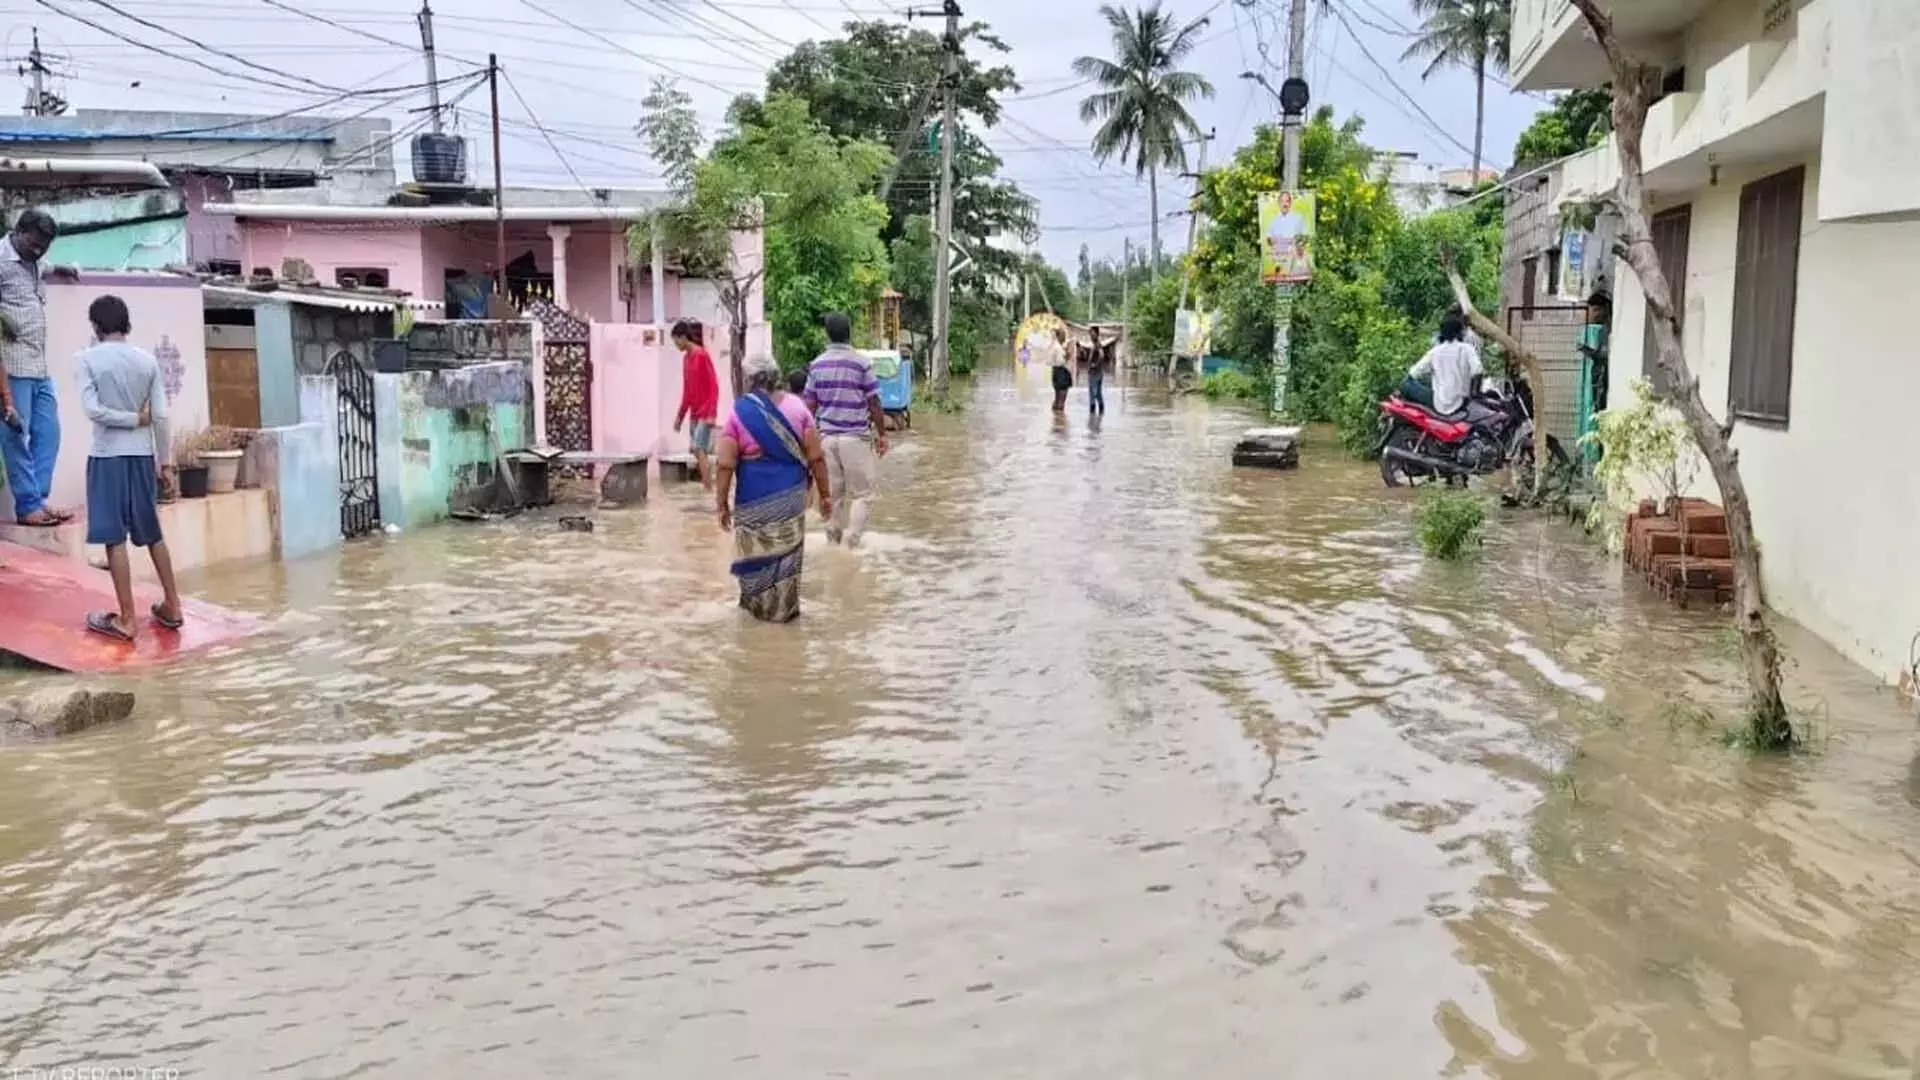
(1642, 445)
(1636, 86)
(705, 210)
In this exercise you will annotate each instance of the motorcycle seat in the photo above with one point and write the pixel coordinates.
(1452, 417)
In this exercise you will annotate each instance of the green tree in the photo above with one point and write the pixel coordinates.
(1141, 105)
(823, 246)
(1576, 121)
(808, 190)
(876, 84)
(1470, 34)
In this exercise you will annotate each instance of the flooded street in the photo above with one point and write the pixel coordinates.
(1105, 760)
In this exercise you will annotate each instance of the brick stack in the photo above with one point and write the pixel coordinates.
(1684, 554)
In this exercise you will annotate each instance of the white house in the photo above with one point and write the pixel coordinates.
(1784, 169)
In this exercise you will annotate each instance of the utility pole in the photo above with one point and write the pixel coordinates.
(1026, 295)
(1126, 271)
(943, 243)
(425, 20)
(499, 205)
(1293, 106)
(39, 101)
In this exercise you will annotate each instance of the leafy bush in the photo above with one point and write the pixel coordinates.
(1450, 522)
(1231, 384)
(1387, 346)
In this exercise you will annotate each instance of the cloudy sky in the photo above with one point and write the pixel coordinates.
(577, 68)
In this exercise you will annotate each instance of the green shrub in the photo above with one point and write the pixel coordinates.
(1450, 522)
(1388, 346)
(1231, 384)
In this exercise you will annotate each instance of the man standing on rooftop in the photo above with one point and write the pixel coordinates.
(845, 399)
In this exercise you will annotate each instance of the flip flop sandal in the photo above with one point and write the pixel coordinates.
(41, 519)
(102, 623)
(169, 621)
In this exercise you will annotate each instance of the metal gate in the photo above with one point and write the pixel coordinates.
(568, 373)
(1552, 332)
(359, 462)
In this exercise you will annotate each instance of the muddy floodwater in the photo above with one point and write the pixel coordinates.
(1105, 760)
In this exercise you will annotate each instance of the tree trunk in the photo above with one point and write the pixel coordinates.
(1153, 203)
(1497, 334)
(1636, 85)
(1479, 116)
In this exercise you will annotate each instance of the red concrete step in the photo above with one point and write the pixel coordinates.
(44, 601)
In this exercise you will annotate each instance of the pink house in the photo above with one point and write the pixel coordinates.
(571, 247)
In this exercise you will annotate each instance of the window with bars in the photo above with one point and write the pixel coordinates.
(1672, 233)
(1766, 285)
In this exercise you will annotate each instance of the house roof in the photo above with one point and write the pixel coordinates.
(366, 301)
(427, 215)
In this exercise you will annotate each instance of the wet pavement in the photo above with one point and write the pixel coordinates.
(1104, 760)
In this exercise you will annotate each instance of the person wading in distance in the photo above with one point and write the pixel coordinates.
(845, 399)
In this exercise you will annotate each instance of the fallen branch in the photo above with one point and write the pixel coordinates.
(1494, 332)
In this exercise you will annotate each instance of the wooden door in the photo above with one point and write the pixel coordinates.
(233, 387)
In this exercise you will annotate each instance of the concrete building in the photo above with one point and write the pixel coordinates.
(1421, 187)
(1783, 167)
(207, 157)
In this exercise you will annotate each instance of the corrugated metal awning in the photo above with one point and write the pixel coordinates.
(229, 296)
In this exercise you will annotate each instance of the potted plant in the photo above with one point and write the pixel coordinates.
(221, 449)
(189, 473)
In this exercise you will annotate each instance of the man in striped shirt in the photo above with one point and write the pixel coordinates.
(845, 399)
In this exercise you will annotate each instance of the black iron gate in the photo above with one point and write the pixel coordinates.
(359, 467)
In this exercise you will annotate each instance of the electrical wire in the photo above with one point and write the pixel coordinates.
(1433, 124)
(203, 46)
(149, 47)
(609, 41)
(557, 152)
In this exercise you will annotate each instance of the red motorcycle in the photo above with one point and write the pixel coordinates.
(1493, 431)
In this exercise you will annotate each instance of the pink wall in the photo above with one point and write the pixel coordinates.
(593, 287)
(330, 247)
(169, 320)
(636, 390)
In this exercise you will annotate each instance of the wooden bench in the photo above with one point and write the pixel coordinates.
(624, 483)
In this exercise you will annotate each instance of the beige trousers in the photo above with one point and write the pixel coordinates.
(851, 468)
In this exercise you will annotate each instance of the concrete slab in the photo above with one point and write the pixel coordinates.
(44, 601)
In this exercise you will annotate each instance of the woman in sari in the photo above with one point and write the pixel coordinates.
(769, 451)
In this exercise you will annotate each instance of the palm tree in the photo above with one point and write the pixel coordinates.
(1471, 34)
(1141, 105)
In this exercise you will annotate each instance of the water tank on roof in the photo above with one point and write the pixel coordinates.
(439, 159)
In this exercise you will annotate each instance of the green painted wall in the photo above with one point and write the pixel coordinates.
(453, 427)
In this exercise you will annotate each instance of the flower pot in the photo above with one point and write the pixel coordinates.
(193, 481)
(223, 469)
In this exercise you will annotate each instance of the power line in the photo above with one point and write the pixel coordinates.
(609, 41)
(149, 47)
(557, 152)
(201, 45)
(1435, 125)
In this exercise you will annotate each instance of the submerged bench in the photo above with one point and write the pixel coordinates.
(624, 483)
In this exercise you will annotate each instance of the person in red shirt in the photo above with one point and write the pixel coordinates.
(699, 396)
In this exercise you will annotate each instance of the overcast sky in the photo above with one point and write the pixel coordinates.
(583, 82)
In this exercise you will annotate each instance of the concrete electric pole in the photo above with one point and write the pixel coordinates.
(1294, 96)
(943, 242)
(425, 20)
